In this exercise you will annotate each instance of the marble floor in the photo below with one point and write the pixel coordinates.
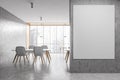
(56, 70)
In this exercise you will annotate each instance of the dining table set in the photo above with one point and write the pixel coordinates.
(36, 51)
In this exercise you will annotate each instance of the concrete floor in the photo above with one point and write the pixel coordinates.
(56, 70)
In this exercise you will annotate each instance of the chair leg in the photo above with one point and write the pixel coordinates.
(41, 59)
(67, 56)
(27, 58)
(24, 58)
(20, 59)
(47, 55)
(28, 54)
(14, 58)
(35, 59)
(48, 58)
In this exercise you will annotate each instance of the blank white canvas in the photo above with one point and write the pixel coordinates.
(93, 32)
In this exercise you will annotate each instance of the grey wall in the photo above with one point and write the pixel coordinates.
(97, 65)
(12, 34)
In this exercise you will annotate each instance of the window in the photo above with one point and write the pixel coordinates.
(57, 38)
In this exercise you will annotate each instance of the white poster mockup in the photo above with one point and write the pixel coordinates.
(93, 31)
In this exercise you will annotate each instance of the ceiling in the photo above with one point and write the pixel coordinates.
(49, 10)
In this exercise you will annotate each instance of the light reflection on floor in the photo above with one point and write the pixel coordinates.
(56, 70)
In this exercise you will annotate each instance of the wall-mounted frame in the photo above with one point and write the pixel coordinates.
(93, 32)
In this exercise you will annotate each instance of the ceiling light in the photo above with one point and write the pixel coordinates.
(31, 3)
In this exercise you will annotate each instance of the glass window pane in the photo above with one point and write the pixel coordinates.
(66, 36)
(47, 33)
(60, 38)
(53, 39)
(40, 35)
(57, 38)
(33, 35)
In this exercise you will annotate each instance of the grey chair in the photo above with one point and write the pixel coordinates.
(20, 51)
(31, 47)
(38, 52)
(46, 52)
(44, 46)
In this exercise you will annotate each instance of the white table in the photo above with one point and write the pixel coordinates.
(27, 50)
(31, 50)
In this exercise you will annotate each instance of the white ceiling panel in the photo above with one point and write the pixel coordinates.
(49, 10)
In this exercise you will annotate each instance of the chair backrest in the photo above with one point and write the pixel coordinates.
(38, 51)
(44, 47)
(31, 47)
(20, 50)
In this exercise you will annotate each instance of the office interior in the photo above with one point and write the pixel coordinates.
(59, 39)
